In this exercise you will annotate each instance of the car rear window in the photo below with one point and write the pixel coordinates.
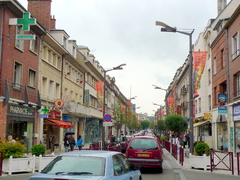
(144, 144)
(93, 166)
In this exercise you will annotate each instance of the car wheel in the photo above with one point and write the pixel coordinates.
(160, 170)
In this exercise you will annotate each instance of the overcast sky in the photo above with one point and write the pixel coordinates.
(124, 31)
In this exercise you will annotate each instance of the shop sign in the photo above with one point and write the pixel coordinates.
(236, 112)
(207, 116)
(54, 126)
(21, 110)
(222, 110)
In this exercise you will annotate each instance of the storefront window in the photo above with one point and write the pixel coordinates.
(237, 136)
(21, 131)
(222, 138)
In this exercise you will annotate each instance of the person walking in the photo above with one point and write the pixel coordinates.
(66, 143)
(80, 142)
(72, 142)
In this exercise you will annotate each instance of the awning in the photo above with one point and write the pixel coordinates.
(221, 118)
(202, 123)
(60, 123)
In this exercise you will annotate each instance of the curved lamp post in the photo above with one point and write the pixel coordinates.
(167, 28)
(104, 99)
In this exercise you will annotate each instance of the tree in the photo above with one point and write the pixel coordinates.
(161, 126)
(176, 123)
(118, 116)
(145, 124)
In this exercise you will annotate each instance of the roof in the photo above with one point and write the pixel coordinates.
(92, 153)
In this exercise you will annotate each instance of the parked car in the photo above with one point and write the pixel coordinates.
(89, 164)
(121, 141)
(145, 151)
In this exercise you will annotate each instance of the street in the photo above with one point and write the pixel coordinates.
(170, 172)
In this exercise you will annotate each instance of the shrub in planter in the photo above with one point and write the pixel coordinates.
(202, 148)
(14, 149)
(163, 138)
(38, 150)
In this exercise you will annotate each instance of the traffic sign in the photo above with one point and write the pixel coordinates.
(107, 123)
(107, 118)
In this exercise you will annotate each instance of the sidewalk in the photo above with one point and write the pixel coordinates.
(187, 166)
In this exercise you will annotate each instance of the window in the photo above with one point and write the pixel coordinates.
(32, 78)
(17, 75)
(223, 62)
(209, 76)
(51, 90)
(73, 51)
(235, 46)
(19, 43)
(118, 166)
(65, 42)
(237, 80)
(214, 66)
(34, 45)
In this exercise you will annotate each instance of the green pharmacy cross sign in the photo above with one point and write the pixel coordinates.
(25, 22)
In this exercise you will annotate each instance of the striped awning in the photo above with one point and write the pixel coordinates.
(60, 123)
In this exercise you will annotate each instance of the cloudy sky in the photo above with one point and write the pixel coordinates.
(124, 31)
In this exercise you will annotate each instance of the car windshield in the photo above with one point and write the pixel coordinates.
(72, 165)
(144, 144)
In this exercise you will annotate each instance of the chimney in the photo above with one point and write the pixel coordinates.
(221, 5)
(41, 10)
(53, 22)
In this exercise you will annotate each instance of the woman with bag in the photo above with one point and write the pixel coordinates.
(80, 142)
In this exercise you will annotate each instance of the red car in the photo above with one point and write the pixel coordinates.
(145, 151)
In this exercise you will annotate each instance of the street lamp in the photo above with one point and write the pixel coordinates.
(167, 28)
(104, 99)
(156, 87)
(160, 108)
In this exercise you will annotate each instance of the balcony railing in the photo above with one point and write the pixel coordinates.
(22, 93)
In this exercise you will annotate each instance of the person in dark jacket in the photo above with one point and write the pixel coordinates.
(66, 143)
(72, 142)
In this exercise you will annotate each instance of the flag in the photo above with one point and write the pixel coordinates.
(100, 93)
(199, 61)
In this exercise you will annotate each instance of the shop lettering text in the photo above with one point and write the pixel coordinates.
(20, 110)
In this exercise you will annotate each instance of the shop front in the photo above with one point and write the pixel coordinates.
(92, 130)
(52, 137)
(236, 119)
(20, 124)
(222, 133)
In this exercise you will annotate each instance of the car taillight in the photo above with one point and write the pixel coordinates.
(160, 155)
(126, 154)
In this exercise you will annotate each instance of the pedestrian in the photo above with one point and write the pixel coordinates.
(66, 143)
(72, 142)
(10, 139)
(80, 142)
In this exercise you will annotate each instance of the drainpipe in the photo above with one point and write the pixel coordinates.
(1, 37)
(228, 90)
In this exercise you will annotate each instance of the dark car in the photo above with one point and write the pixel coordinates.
(145, 151)
(121, 141)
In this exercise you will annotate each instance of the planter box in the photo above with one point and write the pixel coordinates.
(18, 165)
(42, 162)
(200, 161)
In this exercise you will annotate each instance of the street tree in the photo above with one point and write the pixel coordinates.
(145, 124)
(176, 123)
